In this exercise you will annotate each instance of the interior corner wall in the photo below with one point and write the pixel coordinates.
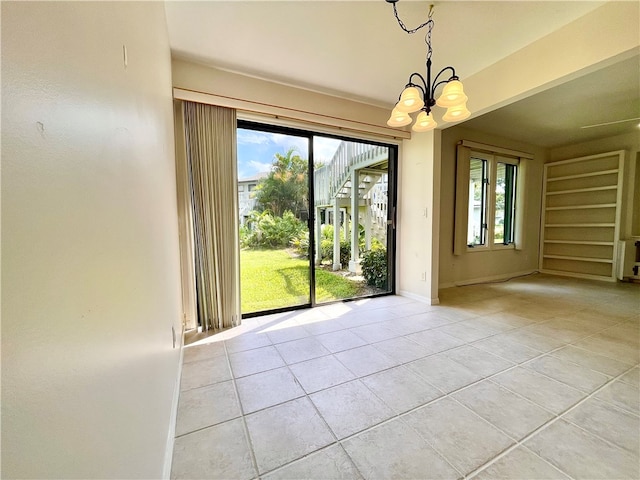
(630, 143)
(604, 36)
(275, 96)
(90, 257)
(416, 163)
(485, 265)
(635, 202)
(417, 220)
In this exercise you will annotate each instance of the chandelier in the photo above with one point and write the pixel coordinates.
(420, 96)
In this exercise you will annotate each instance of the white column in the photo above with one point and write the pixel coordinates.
(347, 223)
(367, 223)
(355, 207)
(318, 235)
(336, 235)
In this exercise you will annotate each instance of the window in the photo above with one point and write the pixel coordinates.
(492, 201)
(252, 187)
(477, 202)
(505, 203)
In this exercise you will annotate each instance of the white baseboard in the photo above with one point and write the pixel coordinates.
(579, 275)
(171, 436)
(492, 278)
(419, 298)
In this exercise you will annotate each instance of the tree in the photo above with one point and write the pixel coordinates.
(285, 188)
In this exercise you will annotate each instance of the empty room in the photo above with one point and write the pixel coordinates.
(319, 239)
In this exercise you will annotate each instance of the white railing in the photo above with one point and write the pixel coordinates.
(329, 179)
(379, 201)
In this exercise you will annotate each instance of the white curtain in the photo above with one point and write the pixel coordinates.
(210, 144)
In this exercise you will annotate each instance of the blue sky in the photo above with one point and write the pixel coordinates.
(257, 149)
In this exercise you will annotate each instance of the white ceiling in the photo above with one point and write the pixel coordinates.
(357, 50)
(556, 116)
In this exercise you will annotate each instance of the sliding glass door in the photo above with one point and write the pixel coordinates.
(273, 203)
(353, 220)
(316, 218)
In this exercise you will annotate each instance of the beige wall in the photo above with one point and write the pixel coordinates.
(475, 266)
(483, 265)
(255, 95)
(568, 53)
(635, 202)
(418, 214)
(90, 265)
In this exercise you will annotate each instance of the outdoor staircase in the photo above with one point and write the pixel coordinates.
(334, 180)
(364, 203)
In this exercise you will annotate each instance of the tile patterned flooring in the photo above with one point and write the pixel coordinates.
(537, 377)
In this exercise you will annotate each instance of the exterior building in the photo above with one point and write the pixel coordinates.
(246, 196)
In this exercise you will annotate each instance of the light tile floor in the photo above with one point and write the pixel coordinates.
(537, 377)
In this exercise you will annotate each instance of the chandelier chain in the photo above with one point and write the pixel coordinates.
(414, 30)
(427, 37)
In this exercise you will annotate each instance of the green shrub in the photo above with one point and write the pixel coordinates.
(265, 230)
(374, 267)
(327, 232)
(301, 244)
(377, 244)
(326, 249)
(345, 252)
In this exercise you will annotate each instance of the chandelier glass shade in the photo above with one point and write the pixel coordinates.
(419, 92)
(452, 95)
(424, 122)
(398, 118)
(456, 113)
(410, 100)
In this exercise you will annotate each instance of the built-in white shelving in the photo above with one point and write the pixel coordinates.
(581, 190)
(579, 242)
(582, 207)
(580, 259)
(581, 216)
(583, 175)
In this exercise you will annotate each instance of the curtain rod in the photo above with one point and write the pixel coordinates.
(495, 149)
(287, 113)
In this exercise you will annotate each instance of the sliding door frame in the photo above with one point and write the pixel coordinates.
(391, 209)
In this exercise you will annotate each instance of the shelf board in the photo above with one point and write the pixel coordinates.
(579, 259)
(583, 207)
(581, 190)
(580, 225)
(580, 242)
(583, 175)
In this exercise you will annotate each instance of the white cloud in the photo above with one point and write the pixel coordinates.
(287, 141)
(324, 148)
(251, 137)
(260, 167)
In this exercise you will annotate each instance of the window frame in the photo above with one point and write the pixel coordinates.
(489, 214)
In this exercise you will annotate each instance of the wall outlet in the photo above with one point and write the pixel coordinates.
(423, 276)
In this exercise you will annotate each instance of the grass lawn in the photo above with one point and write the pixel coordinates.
(274, 279)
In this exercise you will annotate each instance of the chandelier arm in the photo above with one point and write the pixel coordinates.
(437, 83)
(423, 88)
(403, 26)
